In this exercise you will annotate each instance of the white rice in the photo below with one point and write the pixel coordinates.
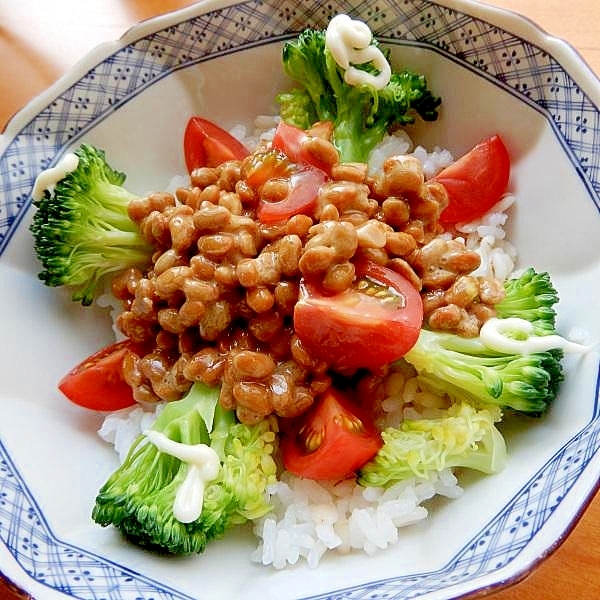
(310, 519)
(114, 308)
(262, 131)
(400, 143)
(487, 237)
(120, 428)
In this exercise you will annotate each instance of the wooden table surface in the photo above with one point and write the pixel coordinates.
(41, 39)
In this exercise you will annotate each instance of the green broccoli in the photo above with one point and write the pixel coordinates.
(532, 297)
(361, 114)
(467, 368)
(464, 437)
(140, 498)
(82, 231)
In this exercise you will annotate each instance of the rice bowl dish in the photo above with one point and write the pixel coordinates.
(574, 267)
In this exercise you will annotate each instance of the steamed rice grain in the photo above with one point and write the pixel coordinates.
(310, 518)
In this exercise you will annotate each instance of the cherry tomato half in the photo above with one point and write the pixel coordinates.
(369, 325)
(261, 166)
(304, 186)
(207, 145)
(290, 140)
(332, 440)
(97, 382)
(476, 181)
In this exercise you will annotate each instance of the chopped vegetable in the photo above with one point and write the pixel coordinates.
(465, 368)
(291, 141)
(304, 185)
(361, 114)
(332, 440)
(262, 165)
(97, 382)
(82, 231)
(476, 181)
(208, 145)
(369, 325)
(140, 496)
(288, 160)
(463, 437)
(530, 296)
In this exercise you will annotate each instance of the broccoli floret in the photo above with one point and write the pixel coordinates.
(532, 297)
(361, 114)
(139, 497)
(467, 368)
(82, 231)
(464, 437)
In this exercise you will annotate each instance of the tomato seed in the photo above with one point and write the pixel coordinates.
(385, 293)
(310, 438)
(349, 422)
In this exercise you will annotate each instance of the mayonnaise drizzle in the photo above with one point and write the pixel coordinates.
(493, 335)
(349, 42)
(203, 467)
(48, 178)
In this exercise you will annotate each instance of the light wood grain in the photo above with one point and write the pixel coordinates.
(40, 40)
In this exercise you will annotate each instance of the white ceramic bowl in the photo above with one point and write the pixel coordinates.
(496, 72)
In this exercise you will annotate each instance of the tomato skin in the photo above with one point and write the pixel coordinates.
(262, 166)
(348, 436)
(97, 382)
(306, 175)
(301, 199)
(208, 145)
(353, 330)
(476, 181)
(290, 140)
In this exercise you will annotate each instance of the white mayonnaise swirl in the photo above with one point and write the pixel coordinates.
(349, 42)
(521, 338)
(48, 178)
(203, 467)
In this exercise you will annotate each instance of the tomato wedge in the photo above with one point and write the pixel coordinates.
(304, 187)
(476, 181)
(290, 140)
(332, 440)
(207, 145)
(368, 326)
(259, 167)
(97, 382)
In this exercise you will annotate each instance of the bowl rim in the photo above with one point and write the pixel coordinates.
(520, 25)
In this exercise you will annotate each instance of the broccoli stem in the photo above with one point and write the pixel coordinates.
(82, 230)
(464, 437)
(361, 115)
(526, 381)
(140, 497)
